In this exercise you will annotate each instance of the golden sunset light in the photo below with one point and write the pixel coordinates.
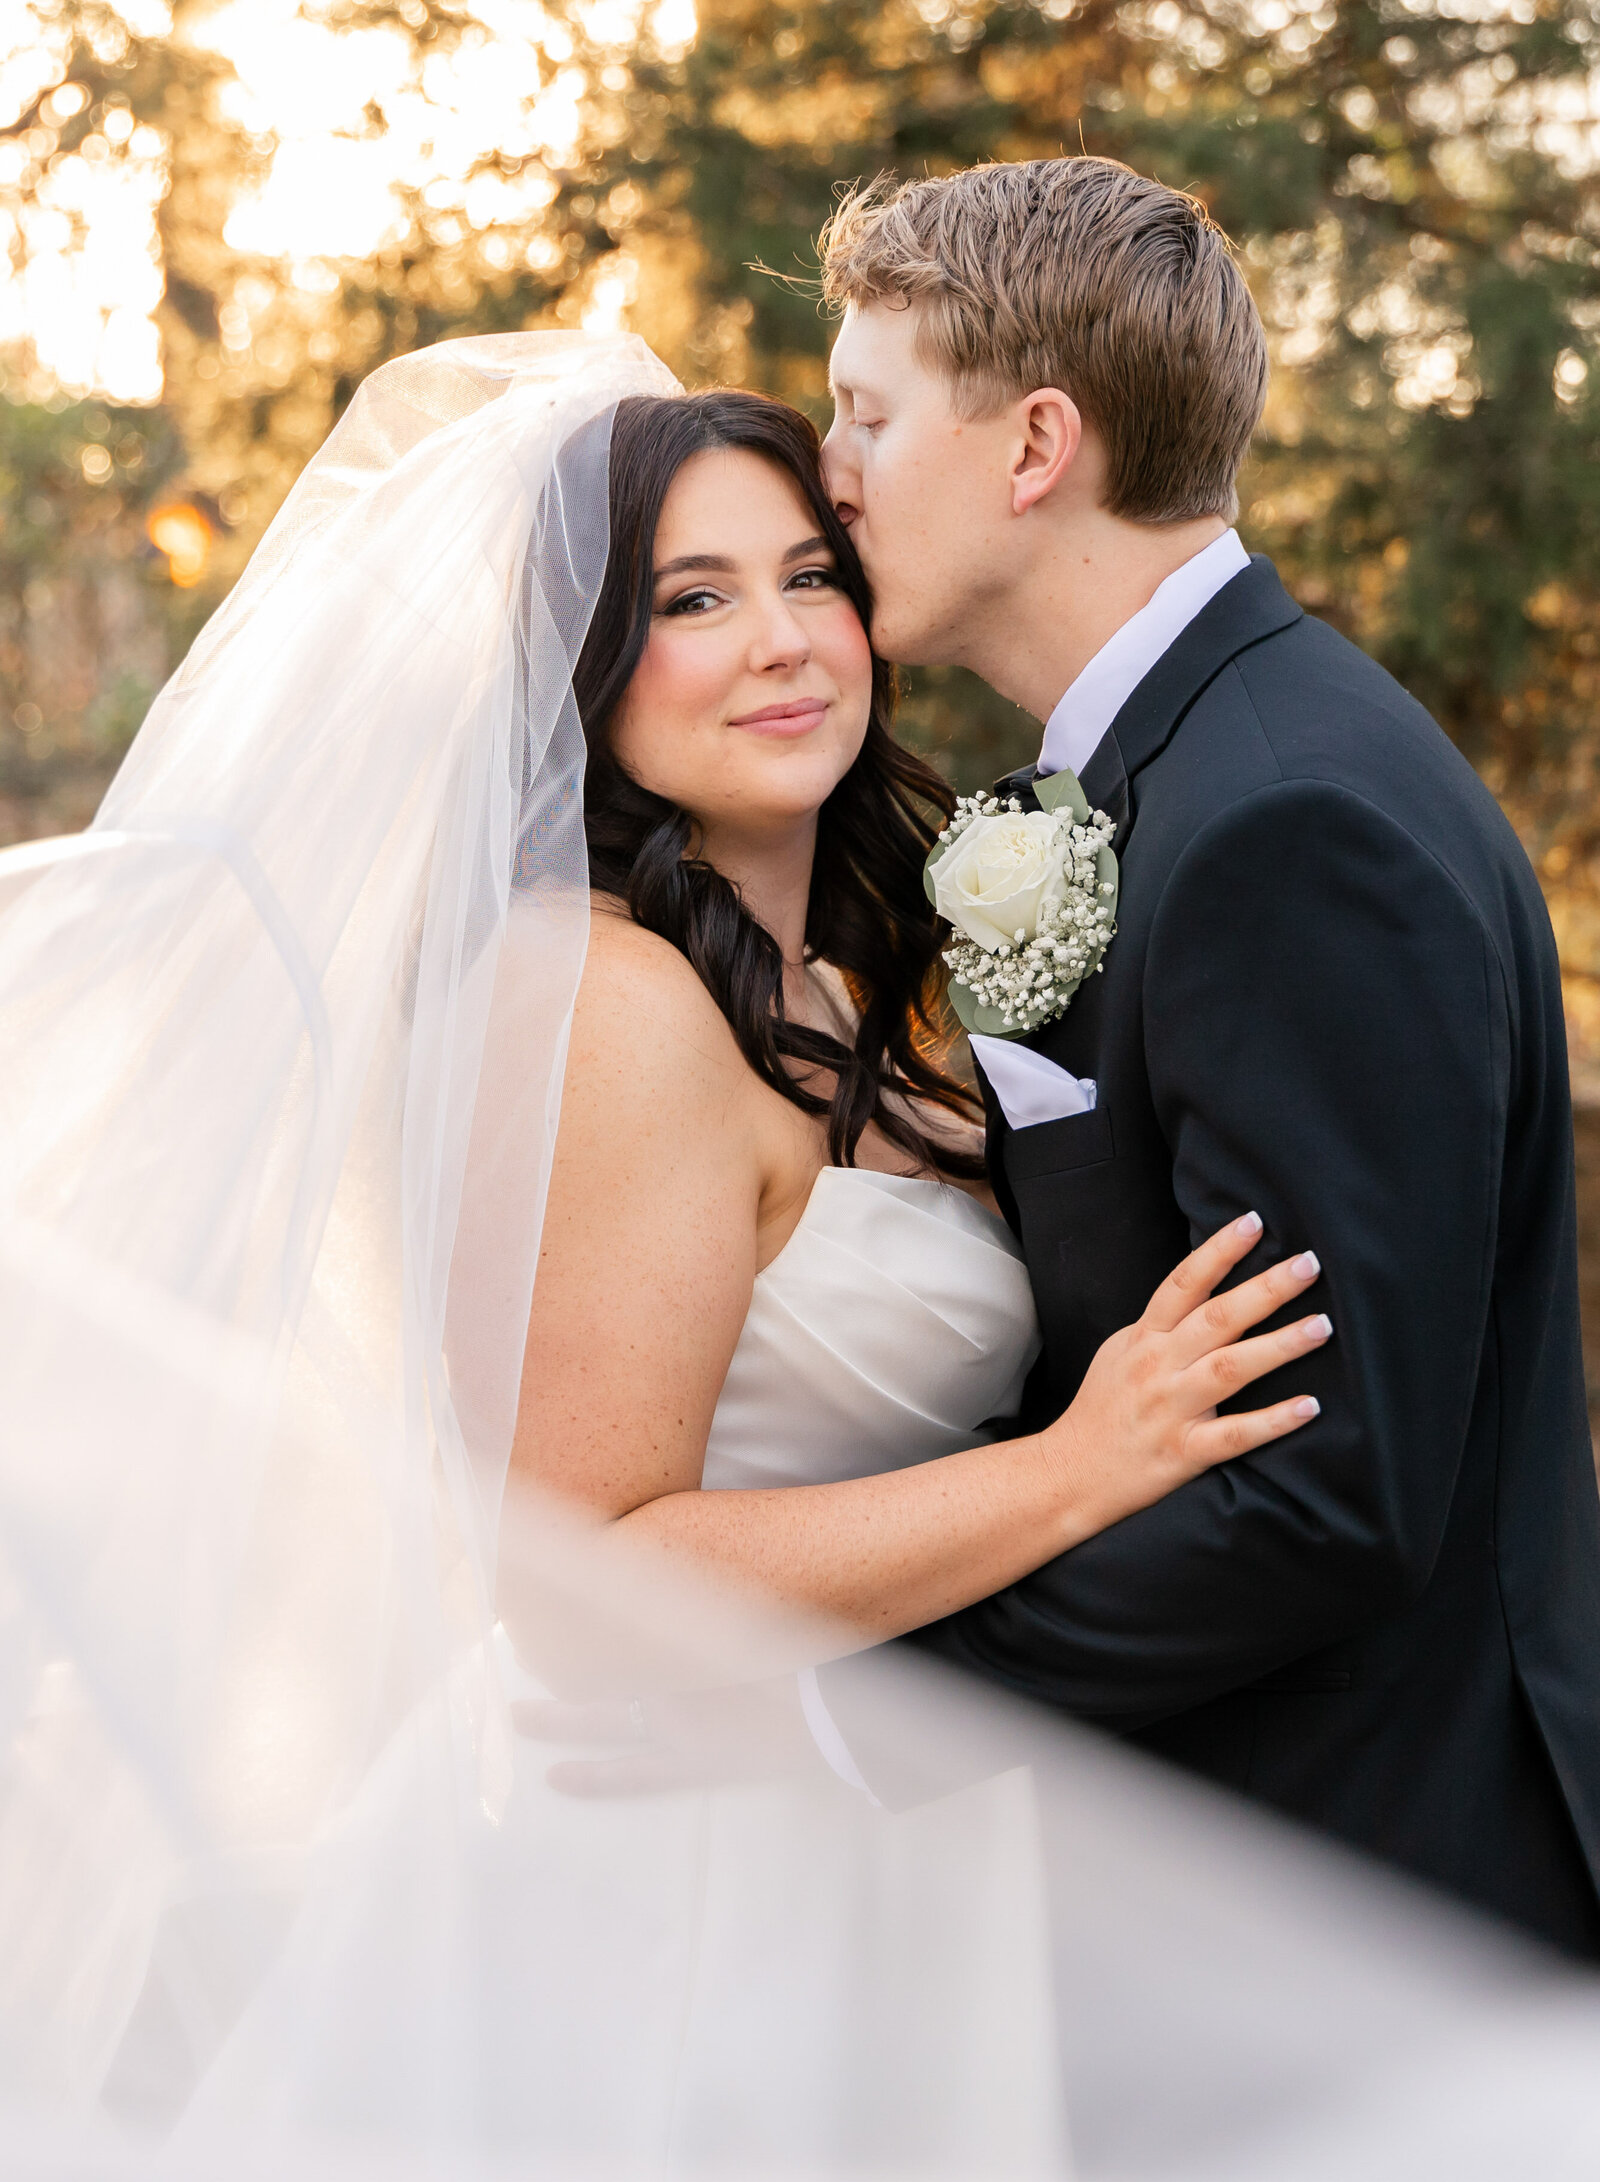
(353, 121)
(182, 533)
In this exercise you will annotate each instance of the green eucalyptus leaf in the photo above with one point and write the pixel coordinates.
(939, 849)
(1055, 789)
(967, 1010)
(988, 1022)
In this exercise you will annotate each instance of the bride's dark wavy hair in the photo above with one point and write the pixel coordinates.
(868, 914)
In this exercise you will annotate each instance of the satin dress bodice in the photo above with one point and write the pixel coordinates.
(892, 1324)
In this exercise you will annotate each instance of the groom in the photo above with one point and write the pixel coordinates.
(1332, 998)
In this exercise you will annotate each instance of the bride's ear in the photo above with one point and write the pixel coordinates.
(1048, 435)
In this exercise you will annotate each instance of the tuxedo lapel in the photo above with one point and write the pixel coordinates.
(1253, 606)
(1105, 783)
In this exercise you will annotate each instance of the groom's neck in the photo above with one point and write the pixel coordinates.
(1074, 592)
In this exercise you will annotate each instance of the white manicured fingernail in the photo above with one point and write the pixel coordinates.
(1249, 1225)
(1308, 1408)
(1307, 1266)
(1318, 1328)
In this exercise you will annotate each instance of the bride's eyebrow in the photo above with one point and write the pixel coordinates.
(716, 564)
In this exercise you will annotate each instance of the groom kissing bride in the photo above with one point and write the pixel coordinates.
(1332, 997)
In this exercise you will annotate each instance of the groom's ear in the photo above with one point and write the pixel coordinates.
(1049, 432)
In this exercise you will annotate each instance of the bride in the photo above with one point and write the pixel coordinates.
(314, 1047)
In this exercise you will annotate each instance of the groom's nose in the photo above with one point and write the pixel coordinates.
(840, 475)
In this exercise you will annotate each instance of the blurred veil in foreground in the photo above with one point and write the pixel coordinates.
(282, 1887)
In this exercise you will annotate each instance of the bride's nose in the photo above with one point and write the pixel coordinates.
(780, 642)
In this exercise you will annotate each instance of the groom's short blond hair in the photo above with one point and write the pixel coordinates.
(1082, 275)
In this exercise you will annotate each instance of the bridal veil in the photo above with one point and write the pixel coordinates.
(273, 1144)
(283, 1039)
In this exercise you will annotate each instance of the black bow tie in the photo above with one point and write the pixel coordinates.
(1019, 785)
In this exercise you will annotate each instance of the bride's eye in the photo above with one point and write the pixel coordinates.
(693, 602)
(815, 579)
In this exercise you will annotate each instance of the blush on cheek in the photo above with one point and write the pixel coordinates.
(844, 649)
(676, 687)
(678, 680)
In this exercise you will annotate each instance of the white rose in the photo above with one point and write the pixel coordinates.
(991, 882)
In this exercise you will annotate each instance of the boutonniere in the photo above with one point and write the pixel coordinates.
(1032, 898)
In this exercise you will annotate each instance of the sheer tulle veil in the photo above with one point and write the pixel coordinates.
(285, 1032)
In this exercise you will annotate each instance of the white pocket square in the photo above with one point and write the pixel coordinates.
(1030, 1088)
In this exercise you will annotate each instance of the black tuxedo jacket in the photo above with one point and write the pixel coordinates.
(1332, 997)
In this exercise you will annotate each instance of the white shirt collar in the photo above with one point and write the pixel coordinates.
(1074, 729)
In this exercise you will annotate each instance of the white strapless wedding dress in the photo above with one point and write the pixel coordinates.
(892, 1323)
(775, 1975)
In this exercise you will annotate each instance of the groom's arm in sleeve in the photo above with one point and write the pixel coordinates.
(1327, 1026)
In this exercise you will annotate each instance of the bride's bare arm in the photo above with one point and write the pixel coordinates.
(646, 1272)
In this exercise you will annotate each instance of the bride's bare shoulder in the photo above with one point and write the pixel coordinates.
(641, 1004)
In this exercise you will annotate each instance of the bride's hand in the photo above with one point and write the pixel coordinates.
(1144, 1420)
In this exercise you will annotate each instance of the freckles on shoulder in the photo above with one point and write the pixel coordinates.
(645, 1030)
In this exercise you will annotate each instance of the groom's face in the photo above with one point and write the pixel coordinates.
(924, 490)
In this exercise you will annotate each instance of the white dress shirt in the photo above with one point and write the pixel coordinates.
(1074, 730)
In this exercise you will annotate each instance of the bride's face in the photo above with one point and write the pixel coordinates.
(752, 698)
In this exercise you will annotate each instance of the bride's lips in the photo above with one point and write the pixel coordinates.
(798, 717)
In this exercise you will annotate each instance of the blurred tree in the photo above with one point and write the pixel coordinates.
(90, 624)
(86, 632)
(258, 354)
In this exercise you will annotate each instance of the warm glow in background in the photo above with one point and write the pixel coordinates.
(92, 274)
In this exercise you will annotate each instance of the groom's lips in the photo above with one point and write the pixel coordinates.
(798, 717)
